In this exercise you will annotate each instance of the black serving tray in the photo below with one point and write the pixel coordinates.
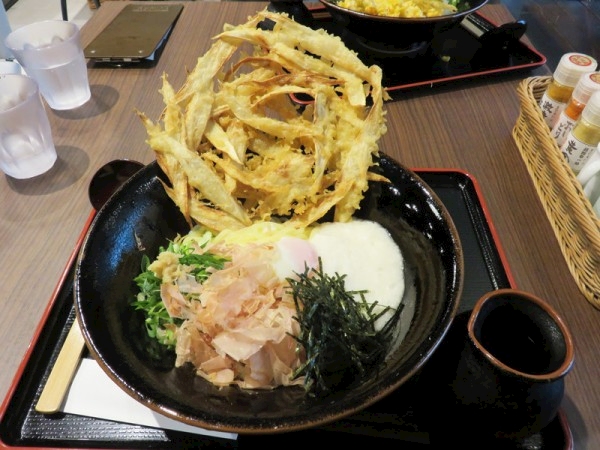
(393, 421)
(475, 49)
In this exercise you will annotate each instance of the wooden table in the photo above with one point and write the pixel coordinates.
(466, 127)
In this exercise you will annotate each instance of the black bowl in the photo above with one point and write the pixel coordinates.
(401, 32)
(139, 218)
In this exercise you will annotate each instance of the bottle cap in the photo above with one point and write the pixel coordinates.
(572, 66)
(591, 111)
(586, 86)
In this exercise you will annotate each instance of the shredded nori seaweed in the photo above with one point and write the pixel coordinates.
(337, 332)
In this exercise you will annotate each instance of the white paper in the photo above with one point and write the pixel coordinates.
(94, 394)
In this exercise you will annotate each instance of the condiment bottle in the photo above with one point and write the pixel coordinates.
(586, 86)
(582, 140)
(566, 75)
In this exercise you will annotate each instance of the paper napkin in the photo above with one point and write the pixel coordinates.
(94, 394)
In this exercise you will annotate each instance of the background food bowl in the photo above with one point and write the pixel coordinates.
(139, 218)
(398, 31)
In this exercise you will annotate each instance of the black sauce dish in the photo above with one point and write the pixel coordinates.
(139, 218)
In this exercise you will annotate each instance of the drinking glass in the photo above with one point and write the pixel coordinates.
(26, 146)
(50, 52)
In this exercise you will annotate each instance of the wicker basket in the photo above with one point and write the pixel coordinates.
(575, 224)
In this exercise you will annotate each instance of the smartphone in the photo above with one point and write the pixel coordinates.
(135, 34)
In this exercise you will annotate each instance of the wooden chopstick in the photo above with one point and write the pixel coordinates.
(62, 372)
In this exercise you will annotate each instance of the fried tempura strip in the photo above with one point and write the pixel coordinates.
(238, 149)
(200, 176)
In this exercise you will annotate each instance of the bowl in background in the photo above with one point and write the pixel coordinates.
(400, 32)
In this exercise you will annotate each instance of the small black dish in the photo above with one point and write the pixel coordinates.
(109, 178)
